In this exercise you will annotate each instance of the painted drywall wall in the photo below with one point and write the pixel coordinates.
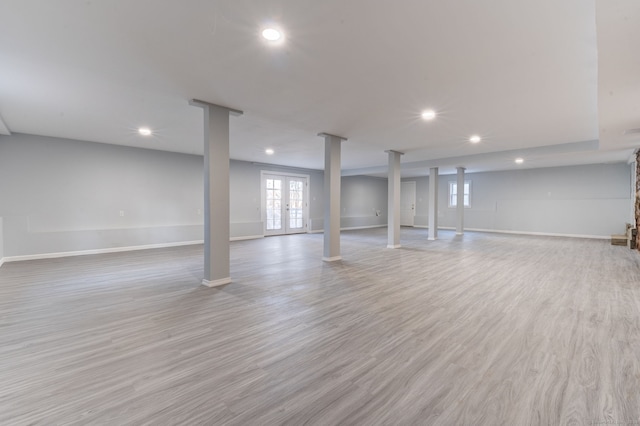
(591, 200)
(64, 196)
(59, 195)
(363, 201)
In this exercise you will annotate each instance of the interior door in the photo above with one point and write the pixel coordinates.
(285, 204)
(407, 203)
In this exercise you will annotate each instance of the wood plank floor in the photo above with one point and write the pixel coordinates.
(480, 329)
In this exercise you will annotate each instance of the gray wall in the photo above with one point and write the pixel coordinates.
(360, 198)
(580, 200)
(61, 195)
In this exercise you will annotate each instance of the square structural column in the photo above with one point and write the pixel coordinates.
(433, 203)
(393, 206)
(216, 193)
(460, 201)
(332, 179)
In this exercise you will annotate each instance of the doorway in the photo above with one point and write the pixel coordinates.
(407, 203)
(285, 203)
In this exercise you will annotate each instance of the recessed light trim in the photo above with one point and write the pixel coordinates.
(475, 139)
(145, 131)
(271, 34)
(269, 151)
(428, 114)
(519, 160)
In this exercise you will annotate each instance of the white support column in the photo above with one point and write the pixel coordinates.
(216, 193)
(433, 203)
(332, 177)
(460, 202)
(393, 207)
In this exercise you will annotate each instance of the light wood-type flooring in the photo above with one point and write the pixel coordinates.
(480, 329)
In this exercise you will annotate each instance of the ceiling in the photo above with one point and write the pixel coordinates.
(554, 82)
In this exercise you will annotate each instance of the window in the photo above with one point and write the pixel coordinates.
(453, 193)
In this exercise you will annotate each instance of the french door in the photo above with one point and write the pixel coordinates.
(285, 204)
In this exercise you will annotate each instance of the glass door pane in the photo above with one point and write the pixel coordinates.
(274, 204)
(295, 204)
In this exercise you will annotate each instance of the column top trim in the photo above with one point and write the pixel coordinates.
(461, 167)
(396, 152)
(324, 135)
(205, 104)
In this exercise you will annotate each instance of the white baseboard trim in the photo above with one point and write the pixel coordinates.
(112, 250)
(248, 237)
(216, 283)
(2, 261)
(353, 228)
(393, 246)
(331, 259)
(98, 251)
(539, 234)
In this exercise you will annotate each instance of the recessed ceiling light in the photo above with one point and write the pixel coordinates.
(475, 139)
(144, 131)
(271, 34)
(519, 160)
(429, 114)
(269, 151)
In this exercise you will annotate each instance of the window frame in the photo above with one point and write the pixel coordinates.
(449, 191)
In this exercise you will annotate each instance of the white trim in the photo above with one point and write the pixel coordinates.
(2, 260)
(248, 237)
(216, 283)
(98, 251)
(539, 234)
(331, 259)
(393, 246)
(353, 228)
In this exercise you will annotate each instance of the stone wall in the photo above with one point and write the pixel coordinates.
(638, 197)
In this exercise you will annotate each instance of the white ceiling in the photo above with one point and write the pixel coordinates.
(537, 79)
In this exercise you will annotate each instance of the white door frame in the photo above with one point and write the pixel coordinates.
(263, 188)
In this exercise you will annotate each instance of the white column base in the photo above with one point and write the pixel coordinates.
(393, 246)
(431, 239)
(216, 283)
(331, 259)
(459, 233)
